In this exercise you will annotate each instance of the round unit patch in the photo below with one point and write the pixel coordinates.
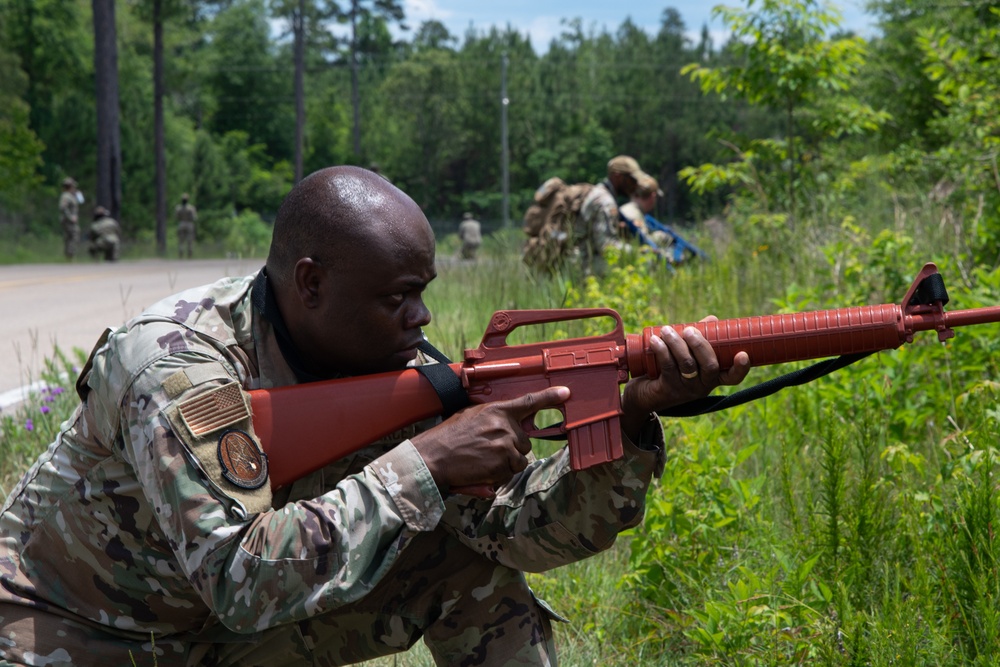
(242, 462)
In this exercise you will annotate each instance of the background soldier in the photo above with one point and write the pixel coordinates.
(599, 224)
(186, 215)
(105, 236)
(470, 234)
(69, 208)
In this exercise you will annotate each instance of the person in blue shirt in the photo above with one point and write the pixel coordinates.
(638, 221)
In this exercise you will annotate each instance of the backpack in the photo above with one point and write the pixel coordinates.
(548, 222)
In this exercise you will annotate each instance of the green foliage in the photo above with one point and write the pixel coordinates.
(247, 235)
(255, 182)
(697, 518)
(964, 72)
(20, 148)
(776, 617)
(251, 88)
(974, 581)
(630, 286)
(783, 60)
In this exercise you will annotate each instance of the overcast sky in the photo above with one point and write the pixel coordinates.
(541, 19)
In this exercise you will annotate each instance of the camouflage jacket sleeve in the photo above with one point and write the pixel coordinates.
(254, 566)
(599, 213)
(550, 515)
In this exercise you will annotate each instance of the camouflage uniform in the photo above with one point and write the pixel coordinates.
(186, 215)
(597, 227)
(470, 234)
(105, 238)
(69, 208)
(129, 540)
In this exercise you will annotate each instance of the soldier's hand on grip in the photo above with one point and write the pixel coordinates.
(484, 445)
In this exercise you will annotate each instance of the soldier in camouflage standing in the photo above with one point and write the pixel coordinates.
(69, 217)
(471, 235)
(148, 533)
(186, 215)
(598, 227)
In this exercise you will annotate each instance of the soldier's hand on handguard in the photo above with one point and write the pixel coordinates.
(483, 445)
(689, 370)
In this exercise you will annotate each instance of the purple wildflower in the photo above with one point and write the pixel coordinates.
(45, 409)
(29, 425)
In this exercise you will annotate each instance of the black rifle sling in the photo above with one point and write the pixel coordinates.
(708, 404)
(447, 385)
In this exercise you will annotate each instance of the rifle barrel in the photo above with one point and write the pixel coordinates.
(961, 318)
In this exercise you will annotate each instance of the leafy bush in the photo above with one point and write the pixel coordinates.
(247, 235)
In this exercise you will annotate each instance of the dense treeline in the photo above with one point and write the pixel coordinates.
(429, 106)
(781, 115)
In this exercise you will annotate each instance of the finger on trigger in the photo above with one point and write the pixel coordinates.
(532, 402)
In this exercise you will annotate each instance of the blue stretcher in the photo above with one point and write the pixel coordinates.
(679, 246)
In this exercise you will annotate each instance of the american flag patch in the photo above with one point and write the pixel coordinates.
(214, 409)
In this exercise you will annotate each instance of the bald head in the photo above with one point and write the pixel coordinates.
(343, 217)
(350, 258)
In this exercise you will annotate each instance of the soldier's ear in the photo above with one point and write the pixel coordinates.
(309, 275)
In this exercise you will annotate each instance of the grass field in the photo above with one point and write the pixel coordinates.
(851, 521)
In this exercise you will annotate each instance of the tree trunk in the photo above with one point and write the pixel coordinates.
(109, 152)
(299, 27)
(159, 150)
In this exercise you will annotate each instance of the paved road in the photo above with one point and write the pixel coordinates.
(45, 305)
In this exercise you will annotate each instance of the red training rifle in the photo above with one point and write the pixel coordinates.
(305, 427)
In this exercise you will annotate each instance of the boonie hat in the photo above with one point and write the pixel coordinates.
(624, 164)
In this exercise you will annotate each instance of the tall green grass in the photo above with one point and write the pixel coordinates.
(851, 521)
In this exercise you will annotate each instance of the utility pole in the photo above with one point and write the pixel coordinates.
(505, 150)
(299, 30)
(355, 95)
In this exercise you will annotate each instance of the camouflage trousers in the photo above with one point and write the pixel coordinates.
(469, 250)
(71, 238)
(185, 239)
(469, 611)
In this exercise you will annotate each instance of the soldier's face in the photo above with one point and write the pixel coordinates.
(648, 203)
(372, 317)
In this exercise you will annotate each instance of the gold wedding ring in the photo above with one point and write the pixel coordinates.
(689, 376)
